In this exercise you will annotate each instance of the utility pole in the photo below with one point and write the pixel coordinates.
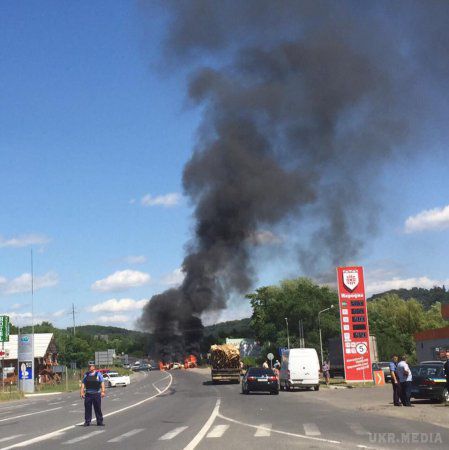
(73, 317)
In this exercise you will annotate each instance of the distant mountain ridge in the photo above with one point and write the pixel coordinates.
(427, 297)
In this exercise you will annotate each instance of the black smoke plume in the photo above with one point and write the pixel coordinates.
(304, 102)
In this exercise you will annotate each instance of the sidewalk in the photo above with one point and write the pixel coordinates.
(379, 400)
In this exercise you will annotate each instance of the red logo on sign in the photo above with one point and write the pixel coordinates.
(350, 279)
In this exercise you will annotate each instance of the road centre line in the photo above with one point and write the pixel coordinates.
(62, 430)
(197, 439)
(217, 431)
(173, 433)
(29, 414)
(311, 429)
(126, 435)
(83, 438)
(285, 433)
(263, 430)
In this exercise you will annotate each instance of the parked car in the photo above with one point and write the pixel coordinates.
(429, 382)
(127, 366)
(300, 368)
(114, 379)
(261, 380)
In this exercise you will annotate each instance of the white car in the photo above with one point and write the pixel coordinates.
(113, 379)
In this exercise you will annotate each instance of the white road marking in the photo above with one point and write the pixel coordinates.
(44, 437)
(126, 435)
(10, 438)
(284, 433)
(74, 404)
(310, 429)
(197, 439)
(173, 433)
(29, 414)
(55, 403)
(83, 438)
(264, 430)
(358, 429)
(217, 431)
(157, 389)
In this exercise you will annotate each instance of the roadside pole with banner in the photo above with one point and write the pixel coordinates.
(4, 337)
(26, 362)
(354, 324)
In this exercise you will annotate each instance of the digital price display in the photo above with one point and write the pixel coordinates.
(358, 318)
(359, 334)
(359, 327)
(356, 302)
(357, 311)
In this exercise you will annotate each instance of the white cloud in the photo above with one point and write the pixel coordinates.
(166, 200)
(24, 240)
(121, 280)
(174, 278)
(378, 286)
(116, 318)
(431, 219)
(22, 283)
(265, 237)
(118, 305)
(135, 259)
(59, 313)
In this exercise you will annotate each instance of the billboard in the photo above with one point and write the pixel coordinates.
(354, 324)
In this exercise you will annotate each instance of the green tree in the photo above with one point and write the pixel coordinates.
(394, 321)
(298, 299)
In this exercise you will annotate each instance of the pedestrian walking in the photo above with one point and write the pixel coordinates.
(92, 390)
(405, 379)
(395, 381)
(326, 372)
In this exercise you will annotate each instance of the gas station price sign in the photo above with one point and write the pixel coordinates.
(354, 324)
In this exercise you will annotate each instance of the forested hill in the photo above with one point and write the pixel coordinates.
(105, 330)
(427, 297)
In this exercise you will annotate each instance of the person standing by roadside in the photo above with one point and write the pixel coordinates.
(326, 374)
(405, 378)
(446, 369)
(92, 390)
(395, 381)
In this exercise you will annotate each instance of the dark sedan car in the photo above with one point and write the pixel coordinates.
(429, 382)
(261, 380)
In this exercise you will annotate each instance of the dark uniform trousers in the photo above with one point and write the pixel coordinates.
(396, 393)
(95, 400)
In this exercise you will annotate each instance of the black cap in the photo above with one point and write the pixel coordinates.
(91, 363)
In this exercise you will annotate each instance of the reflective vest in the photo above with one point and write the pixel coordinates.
(92, 382)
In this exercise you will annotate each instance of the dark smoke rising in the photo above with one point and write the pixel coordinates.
(304, 102)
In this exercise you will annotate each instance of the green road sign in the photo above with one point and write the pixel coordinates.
(4, 328)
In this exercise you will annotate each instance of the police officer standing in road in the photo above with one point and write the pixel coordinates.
(92, 390)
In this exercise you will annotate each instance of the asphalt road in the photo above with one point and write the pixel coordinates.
(182, 410)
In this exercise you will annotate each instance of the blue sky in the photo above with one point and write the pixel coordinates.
(94, 135)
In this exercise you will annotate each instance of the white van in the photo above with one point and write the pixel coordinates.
(300, 367)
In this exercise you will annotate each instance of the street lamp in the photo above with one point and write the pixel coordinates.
(288, 337)
(319, 327)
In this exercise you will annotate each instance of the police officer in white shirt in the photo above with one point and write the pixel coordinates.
(405, 378)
